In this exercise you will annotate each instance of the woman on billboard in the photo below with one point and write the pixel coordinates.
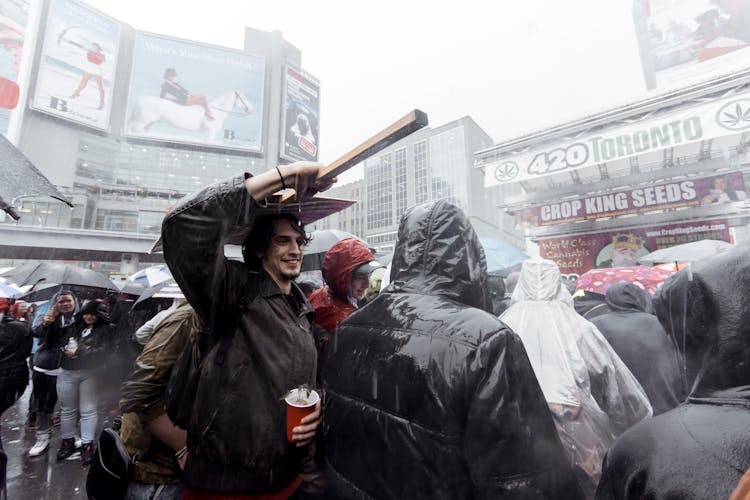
(92, 66)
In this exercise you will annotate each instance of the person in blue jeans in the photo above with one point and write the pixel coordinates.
(87, 344)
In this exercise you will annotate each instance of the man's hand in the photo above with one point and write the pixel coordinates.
(303, 177)
(304, 434)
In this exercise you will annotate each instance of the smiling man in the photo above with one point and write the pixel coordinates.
(259, 342)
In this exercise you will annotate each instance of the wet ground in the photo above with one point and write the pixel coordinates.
(40, 478)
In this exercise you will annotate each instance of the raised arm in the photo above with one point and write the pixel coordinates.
(194, 232)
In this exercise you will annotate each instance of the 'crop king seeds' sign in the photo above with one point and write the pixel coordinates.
(703, 121)
(686, 193)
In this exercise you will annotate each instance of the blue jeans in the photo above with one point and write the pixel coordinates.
(142, 491)
(76, 390)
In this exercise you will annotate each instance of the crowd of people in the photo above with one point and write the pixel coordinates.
(451, 383)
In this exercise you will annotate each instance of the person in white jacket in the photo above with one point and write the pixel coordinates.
(592, 395)
(143, 333)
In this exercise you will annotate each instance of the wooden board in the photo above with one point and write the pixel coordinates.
(407, 125)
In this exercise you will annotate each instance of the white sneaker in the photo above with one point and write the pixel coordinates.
(78, 442)
(41, 445)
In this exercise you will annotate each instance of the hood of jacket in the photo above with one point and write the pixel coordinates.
(704, 307)
(438, 253)
(340, 262)
(628, 297)
(540, 279)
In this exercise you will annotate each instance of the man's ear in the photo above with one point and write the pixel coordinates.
(259, 253)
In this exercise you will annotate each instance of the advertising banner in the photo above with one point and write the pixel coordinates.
(198, 94)
(14, 16)
(301, 128)
(723, 188)
(704, 121)
(686, 40)
(78, 64)
(577, 254)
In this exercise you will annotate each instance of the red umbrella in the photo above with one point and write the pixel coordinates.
(599, 280)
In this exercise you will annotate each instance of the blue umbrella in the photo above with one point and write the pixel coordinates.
(501, 255)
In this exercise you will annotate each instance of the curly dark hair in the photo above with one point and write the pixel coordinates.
(259, 239)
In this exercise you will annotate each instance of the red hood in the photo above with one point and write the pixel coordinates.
(339, 263)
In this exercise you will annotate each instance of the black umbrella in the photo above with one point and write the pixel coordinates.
(43, 275)
(19, 178)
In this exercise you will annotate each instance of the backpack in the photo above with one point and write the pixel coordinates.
(111, 468)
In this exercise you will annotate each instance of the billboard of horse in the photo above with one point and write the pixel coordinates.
(192, 93)
(301, 130)
(78, 64)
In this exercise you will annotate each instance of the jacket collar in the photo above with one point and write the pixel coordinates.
(267, 287)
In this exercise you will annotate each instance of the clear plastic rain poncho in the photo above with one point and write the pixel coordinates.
(591, 393)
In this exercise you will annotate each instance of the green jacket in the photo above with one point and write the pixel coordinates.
(143, 398)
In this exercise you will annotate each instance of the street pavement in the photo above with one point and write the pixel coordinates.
(40, 478)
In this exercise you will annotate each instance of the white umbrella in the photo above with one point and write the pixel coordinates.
(322, 241)
(687, 252)
(151, 276)
(7, 290)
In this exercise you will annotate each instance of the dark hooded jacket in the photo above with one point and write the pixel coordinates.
(261, 346)
(700, 449)
(641, 342)
(15, 347)
(430, 396)
(331, 303)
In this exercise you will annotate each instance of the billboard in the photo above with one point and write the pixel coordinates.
(197, 94)
(301, 127)
(683, 40)
(718, 118)
(14, 17)
(689, 192)
(577, 254)
(78, 64)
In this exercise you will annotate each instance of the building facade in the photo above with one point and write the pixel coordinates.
(430, 164)
(121, 183)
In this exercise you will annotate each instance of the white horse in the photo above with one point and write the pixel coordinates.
(150, 109)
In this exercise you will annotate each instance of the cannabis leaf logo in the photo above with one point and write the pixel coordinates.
(506, 171)
(735, 115)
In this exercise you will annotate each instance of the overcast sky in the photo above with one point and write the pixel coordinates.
(511, 66)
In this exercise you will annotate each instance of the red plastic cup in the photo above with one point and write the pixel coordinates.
(298, 407)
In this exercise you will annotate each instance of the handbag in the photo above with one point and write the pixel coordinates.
(111, 469)
(48, 357)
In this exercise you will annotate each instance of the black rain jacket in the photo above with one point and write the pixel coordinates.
(237, 431)
(699, 450)
(641, 342)
(428, 396)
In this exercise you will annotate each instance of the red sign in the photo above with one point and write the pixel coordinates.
(723, 188)
(577, 254)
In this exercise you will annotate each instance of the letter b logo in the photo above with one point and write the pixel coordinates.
(58, 104)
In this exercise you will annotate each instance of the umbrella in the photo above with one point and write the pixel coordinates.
(687, 252)
(7, 290)
(164, 290)
(19, 178)
(151, 276)
(43, 274)
(501, 255)
(322, 241)
(130, 288)
(599, 280)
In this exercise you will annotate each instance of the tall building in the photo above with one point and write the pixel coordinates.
(123, 181)
(431, 164)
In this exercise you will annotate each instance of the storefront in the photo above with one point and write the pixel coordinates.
(609, 188)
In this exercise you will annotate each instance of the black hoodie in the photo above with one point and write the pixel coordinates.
(428, 396)
(700, 449)
(643, 345)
